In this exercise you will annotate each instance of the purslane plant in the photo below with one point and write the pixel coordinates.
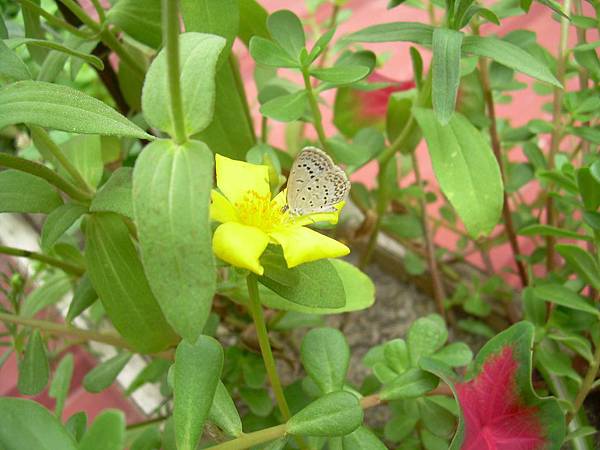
(129, 128)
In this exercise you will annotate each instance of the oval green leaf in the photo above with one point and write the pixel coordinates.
(106, 433)
(325, 356)
(104, 374)
(33, 368)
(25, 193)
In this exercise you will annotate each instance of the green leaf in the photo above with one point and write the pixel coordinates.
(581, 262)
(115, 194)
(561, 295)
(171, 198)
(340, 75)
(321, 44)
(406, 226)
(425, 336)
(33, 368)
(105, 373)
(59, 388)
(197, 370)
(318, 285)
(466, 169)
(11, 66)
(457, 354)
(362, 439)
(399, 115)
(253, 21)
(149, 439)
(85, 153)
(118, 277)
(22, 192)
(59, 221)
(140, 19)
(446, 72)
(396, 355)
(325, 356)
(198, 65)
(231, 107)
(83, 297)
(90, 59)
(223, 412)
(76, 425)
(28, 425)
(589, 189)
(509, 55)
(286, 108)
(106, 433)
(258, 400)
(219, 17)
(3, 29)
(334, 414)
(152, 373)
(287, 31)
(268, 53)
(410, 384)
(62, 108)
(358, 287)
(548, 230)
(419, 33)
(51, 292)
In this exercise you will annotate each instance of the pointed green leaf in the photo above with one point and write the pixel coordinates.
(59, 388)
(118, 277)
(115, 194)
(340, 75)
(59, 221)
(411, 384)
(28, 425)
(33, 368)
(582, 263)
(197, 371)
(22, 192)
(561, 295)
(85, 153)
(286, 108)
(90, 59)
(171, 198)
(325, 356)
(268, 53)
(140, 19)
(106, 433)
(198, 64)
(223, 412)
(466, 169)
(446, 72)
(105, 373)
(83, 297)
(11, 66)
(62, 108)
(416, 32)
(334, 414)
(364, 439)
(152, 373)
(76, 425)
(51, 292)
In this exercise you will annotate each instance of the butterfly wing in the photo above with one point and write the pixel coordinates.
(315, 183)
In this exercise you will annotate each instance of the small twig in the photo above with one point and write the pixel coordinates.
(69, 268)
(586, 385)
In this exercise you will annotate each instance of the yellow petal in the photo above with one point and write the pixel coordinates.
(221, 210)
(240, 245)
(302, 245)
(281, 199)
(236, 178)
(331, 217)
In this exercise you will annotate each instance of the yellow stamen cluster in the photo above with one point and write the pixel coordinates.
(259, 211)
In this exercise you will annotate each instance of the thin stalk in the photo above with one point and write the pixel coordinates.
(81, 14)
(41, 171)
(57, 329)
(100, 10)
(314, 106)
(264, 129)
(115, 45)
(53, 20)
(557, 128)
(497, 148)
(145, 423)
(171, 33)
(272, 433)
(439, 292)
(586, 385)
(42, 135)
(265, 346)
(69, 268)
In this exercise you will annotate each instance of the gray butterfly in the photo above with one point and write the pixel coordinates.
(315, 183)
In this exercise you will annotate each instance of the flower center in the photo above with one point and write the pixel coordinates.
(259, 211)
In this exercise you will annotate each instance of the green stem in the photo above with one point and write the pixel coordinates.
(252, 439)
(100, 10)
(264, 129)
(265, 346)
(113, 43)
(314, 106)
(586, 385)
(53, 20)
(38, 133)
(41, 171)
(557, 128)
(171, 33)
(65, 330)
(69, 268)
(81, 14)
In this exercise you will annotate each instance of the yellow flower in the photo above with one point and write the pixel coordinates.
(250, 220)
